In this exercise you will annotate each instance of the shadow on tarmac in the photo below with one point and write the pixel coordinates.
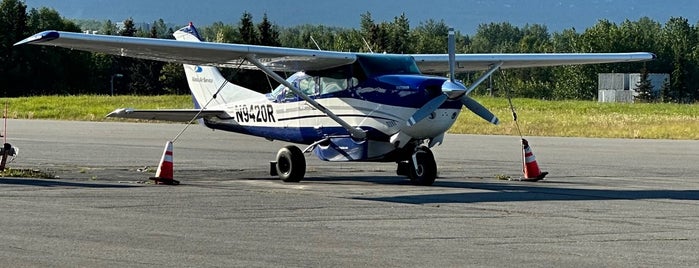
(515, 192)
(59, 183)
(499, 192)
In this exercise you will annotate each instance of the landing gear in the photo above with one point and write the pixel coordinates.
(291, 164)
(420, 168)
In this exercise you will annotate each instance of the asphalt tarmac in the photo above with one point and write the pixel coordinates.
(606, 202)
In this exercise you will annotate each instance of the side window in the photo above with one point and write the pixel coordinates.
(308, 86)
(330, 85)
(288, 94)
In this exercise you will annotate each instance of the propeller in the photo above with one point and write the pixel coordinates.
(453, 89)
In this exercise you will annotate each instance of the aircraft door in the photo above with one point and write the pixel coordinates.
(308, 121)
(303, 114)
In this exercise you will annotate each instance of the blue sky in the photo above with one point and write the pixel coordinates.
(463, 15)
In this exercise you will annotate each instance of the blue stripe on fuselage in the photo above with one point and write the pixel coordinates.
(302, 135)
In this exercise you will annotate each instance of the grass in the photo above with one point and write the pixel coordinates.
(535, 117)
(87, 107)
(586, 119)
(26, 173)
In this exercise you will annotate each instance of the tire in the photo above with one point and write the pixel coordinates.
(291, 164)
(403, 168)
(426, 172)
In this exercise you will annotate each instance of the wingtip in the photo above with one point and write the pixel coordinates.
(44, 36)
(120, 112)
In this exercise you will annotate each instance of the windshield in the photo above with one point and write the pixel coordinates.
(381, 64)
(275, 93)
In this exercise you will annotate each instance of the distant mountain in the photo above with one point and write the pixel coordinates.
(463, 15)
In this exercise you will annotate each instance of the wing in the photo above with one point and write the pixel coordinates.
(294, 59)
(178, 115)
(439, 63)
(195, 53)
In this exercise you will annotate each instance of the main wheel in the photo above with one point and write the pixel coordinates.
(426, 171)
(291, 164)
(403, 168)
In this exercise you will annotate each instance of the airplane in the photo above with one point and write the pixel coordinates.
(344, 106)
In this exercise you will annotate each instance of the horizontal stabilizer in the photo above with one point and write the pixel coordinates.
(177, 115)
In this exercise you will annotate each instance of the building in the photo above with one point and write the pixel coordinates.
(620, 87)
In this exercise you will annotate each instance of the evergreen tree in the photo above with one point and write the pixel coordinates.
(173, 79)
(129, 28)
(644, 88)
(246, 28)
(666, 92)
(269, 35)
(109, 28)
(399, 35)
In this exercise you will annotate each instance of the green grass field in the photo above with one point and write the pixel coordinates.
(87, 107)
(586, 119)
(535, 117)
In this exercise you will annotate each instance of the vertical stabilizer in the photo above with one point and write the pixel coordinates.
(205, 81)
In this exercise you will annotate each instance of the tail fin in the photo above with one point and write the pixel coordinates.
(205, 81)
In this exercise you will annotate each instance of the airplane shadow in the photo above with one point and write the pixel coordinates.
(547, 190)
(519, 192)
(510, 192)
(380, 180)
(58, 183)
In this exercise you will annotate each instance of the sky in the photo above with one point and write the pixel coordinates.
(464, 16)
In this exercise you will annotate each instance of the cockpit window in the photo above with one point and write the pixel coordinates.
(313, 83)
(334, 79)
(379, 64)
(308, 85)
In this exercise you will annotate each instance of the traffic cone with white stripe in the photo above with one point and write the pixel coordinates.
(165, 173)
(530, 167)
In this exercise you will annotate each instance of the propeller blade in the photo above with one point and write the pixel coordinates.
(478, 109)
(426, 109)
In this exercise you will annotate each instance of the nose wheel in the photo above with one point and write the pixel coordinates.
(290, 165)
(420, 168)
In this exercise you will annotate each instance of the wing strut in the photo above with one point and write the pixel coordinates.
(356, 133)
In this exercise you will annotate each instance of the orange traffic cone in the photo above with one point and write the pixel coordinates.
(164, 174)
(530, 167)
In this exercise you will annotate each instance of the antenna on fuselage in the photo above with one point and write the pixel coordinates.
(314, 42)
(367, 45)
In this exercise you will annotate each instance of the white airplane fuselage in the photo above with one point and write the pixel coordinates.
(379, 109)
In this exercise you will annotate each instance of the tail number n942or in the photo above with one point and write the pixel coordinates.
(254, 113)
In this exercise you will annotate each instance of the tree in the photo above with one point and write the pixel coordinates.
(160, 30)
(644, 88)
(14, 69)
(220, 33)
(173, 79)
(108, 28)
(430, 37)
(246, 28)
(496, 38)
(269, 35)
(45, 59)
(399, 35)
(680, 38)
(129, 28)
